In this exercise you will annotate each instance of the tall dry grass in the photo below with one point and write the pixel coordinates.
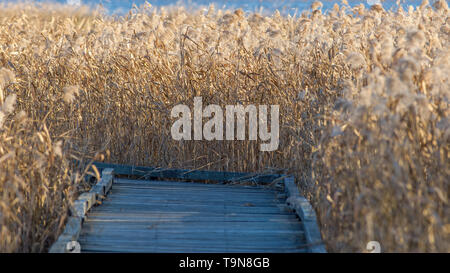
(363, 97)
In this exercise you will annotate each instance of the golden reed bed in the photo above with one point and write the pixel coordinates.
(363, 95)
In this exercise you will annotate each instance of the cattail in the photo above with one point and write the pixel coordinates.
(239, 13)
(274, 33)
(423, 106)
(301, 95)
(316, 5)
(210, 11)
(57, 148)
(395, 86)
(428, 76)
(359, 10)
(416, 38)
(400, 10)
(316, 13)
(335, 7)
(20, 116)
(228, 19)
(387, 49)
(342, 105)
(8, 105)
(424, 4)
(356, 60)
(377, 8)
(445, 29)
(399, 53)
(6, 77)
(407, 68)
(69, 93)
(348, 89)
(336, 131)
(441, 5)
(2, 119)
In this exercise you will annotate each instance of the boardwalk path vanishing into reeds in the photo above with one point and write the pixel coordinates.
(142, 209)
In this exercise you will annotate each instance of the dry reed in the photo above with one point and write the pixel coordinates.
(363, 97)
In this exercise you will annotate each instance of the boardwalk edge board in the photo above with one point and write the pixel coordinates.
(306, 213)
(80, 208)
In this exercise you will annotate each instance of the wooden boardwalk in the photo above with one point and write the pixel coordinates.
(148, 215)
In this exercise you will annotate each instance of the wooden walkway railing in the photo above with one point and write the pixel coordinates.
(140, 212)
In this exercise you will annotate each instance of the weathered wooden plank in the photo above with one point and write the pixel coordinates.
(229, 203)
(192, 232)
(194, 218)
(181, 191)
(183, 249)
(306, 214)
(191, 190)
(247, 236)
(197, 218)
(279, 243)
(224, 242)
(148, 231)
(261, 243)
(145, 226)
(152, 229)
(189, 243)
(71, 232)
(169, 215)
(159, 195)
(232, 200)
(148, 172)
(148, 235)
(186, 196)
(133, 210)
(172, 191)
(191, 185)
(129, 206)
